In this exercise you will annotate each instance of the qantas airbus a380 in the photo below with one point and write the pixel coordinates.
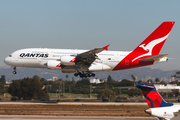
(85, 62)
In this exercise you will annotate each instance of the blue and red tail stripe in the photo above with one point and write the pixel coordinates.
(152, 96)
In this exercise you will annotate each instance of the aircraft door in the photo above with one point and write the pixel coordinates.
(126, 62)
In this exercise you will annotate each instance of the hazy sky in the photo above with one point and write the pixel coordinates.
(87, 24)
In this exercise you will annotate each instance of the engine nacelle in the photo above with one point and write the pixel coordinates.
(54, 65)
(163, 112)
(68, 60)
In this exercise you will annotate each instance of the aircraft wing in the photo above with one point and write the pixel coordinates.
(153, 58)
(87, 58)
(176, 115)
(92, 53)
(84, 60)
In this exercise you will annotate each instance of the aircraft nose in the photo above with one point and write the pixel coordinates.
(7, 60)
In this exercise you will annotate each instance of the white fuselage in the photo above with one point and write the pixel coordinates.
(50, 58)
(167, 113)
(80, 61)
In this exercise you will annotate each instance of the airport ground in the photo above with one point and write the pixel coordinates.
(73, 111)
(19, 117)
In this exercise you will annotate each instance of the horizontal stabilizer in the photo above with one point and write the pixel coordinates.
(153, 58)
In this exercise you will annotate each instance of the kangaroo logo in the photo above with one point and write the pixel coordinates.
(149, 47)
(145, 48)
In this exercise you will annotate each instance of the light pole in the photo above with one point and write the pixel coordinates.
(69, 90)
(59, 91)
(90, 90)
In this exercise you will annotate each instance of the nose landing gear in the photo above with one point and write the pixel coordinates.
(14, 72)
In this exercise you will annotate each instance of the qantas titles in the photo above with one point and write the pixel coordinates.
(33, 55)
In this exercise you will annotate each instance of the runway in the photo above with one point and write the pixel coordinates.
(72, 111)
(78, 103)
(75, 103)
(20, 117)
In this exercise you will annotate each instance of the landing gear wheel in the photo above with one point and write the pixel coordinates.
(93, 75)
(14, 72)
(76, 74)
(84, 74)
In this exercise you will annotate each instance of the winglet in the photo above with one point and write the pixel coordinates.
(106, 47)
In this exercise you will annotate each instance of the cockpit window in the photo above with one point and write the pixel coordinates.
(10, 55)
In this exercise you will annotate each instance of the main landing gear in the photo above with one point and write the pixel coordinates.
(84, 75)
(14, 72)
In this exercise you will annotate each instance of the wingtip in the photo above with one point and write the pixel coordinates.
(106, 47)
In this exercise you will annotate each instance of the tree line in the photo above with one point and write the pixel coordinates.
(28, 88)
(39, 88)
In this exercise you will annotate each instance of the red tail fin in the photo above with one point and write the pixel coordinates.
(153, 43)
(149, 47)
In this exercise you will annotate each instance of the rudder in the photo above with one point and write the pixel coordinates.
(156, 39)
(152, 96)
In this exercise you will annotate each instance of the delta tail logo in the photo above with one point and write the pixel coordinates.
(149, 47)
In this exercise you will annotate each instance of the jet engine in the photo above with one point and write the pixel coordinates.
(67, 60)
(54, 65)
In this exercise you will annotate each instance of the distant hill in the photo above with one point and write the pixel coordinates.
(145, 72)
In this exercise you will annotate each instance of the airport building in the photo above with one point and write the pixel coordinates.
(97, 81)
(167, 88)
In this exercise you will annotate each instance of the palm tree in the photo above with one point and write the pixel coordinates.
(157, 80)
(134, 79)
(67, 76)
